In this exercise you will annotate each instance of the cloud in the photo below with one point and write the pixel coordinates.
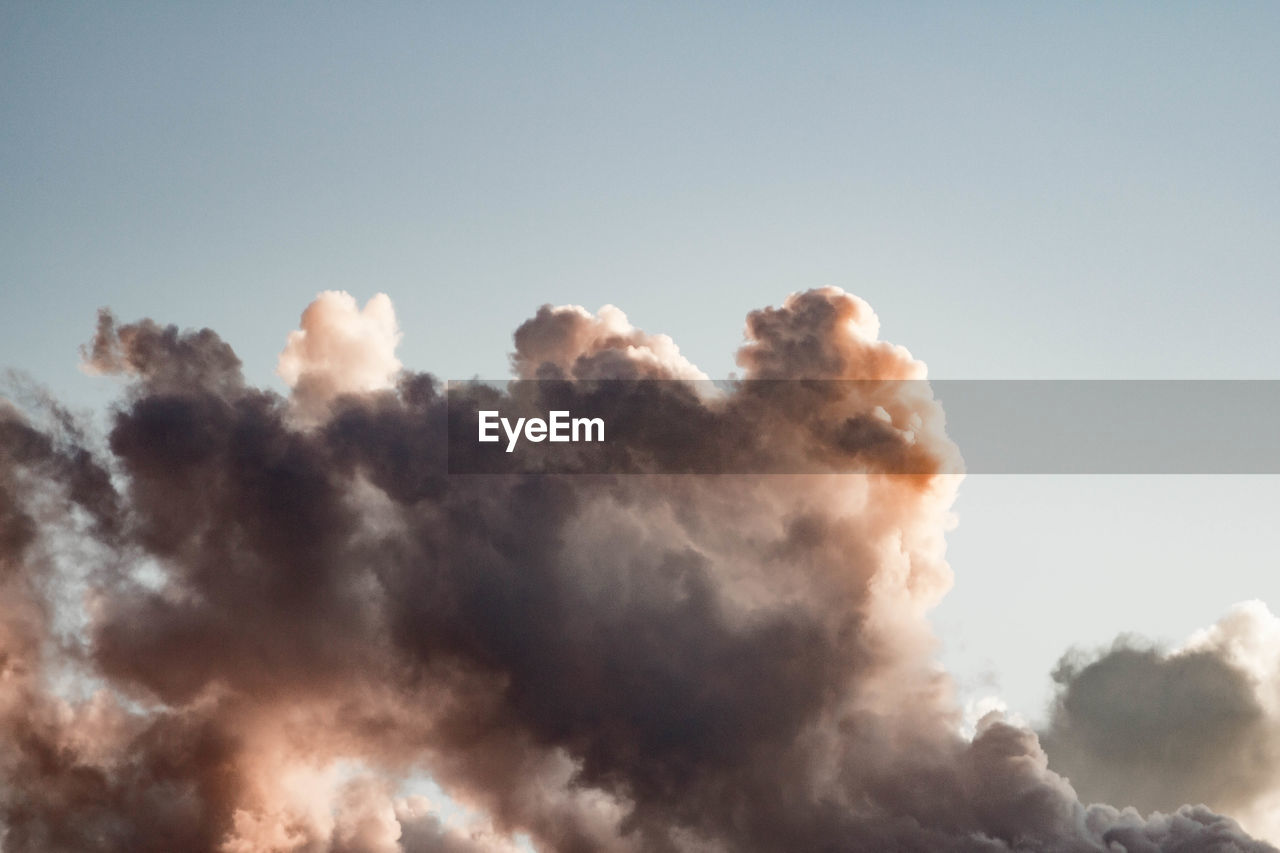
(569, 342)
(341, 349)
(1154, 729)
(604, 663)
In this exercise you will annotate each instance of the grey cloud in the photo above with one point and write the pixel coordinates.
(646, 663)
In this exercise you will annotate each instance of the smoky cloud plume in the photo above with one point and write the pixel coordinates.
(253, 623)
(1139, 726)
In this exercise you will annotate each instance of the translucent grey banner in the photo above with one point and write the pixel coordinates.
(908, 426)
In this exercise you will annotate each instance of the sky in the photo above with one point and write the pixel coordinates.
(1020, 191)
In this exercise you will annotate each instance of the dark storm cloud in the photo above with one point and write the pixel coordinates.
(297, 607)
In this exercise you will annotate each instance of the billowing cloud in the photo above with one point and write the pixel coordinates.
(569, 342)
(239, 630)
(341, 349)
(1138, 726)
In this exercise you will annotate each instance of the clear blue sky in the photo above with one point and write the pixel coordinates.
(1020, 190)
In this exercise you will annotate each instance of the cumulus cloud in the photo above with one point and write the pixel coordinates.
(341, 349)
(1135, 725)
(569, 342)
(238, 630)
